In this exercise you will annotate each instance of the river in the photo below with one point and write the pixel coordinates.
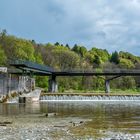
(70, 120)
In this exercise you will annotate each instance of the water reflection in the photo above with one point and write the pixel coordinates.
(119, 116)
(19, 109)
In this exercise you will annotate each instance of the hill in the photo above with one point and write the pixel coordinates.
(65, 57)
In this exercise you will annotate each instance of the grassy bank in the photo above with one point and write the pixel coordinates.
(113, 91)
(94, 93)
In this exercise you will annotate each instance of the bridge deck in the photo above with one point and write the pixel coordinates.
(42, 70)
(87, 73)
(29, 66)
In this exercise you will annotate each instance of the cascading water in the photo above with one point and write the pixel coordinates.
(90, 98)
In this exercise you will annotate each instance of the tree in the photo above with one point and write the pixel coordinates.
(130, 57)
(99, 55)
(56, 44)
(65, 59)
(3, 33)
(75, 48)
(67, 45)
(115, 58)
(80, 50)
(126, 63)
(17, 48)
(97, 60)
(3, 57)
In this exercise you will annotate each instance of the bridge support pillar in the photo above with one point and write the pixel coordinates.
(107, 86)
(53, 84)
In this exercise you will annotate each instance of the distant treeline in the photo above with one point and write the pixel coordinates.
(65, 57)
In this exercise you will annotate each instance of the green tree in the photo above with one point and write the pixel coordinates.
(130, 57)
(80, 50)
(97, 60)
(17, 48)
(99, 56)
(3, 57)
(56, 44)
(126, 63)
(67, 45)
(65, 59)
(115, 58)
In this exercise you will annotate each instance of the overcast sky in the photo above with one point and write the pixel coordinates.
(109, 24)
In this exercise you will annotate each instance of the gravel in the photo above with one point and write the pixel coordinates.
(40, 127)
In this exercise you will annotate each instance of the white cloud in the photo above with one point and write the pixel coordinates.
(110, 24)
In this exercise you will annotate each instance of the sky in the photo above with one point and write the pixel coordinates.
(108, 24)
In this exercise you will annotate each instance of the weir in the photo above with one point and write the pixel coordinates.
(72, 97)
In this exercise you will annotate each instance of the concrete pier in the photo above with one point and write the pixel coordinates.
(107, 86)
(53, 87)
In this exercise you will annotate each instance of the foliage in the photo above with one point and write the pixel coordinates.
(42, 82)
(97, 56)
(65, 57)
(115, 58)
(129, 56)
(80, 50)
(2, 57)
(17, 48)
(126, 63)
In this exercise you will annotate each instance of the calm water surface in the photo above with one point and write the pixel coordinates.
(114, 116)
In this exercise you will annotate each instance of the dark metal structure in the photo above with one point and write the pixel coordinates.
(27, 67)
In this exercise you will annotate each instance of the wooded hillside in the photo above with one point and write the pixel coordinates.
(65, 57)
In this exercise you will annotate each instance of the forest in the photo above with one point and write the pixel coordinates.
(65, 57)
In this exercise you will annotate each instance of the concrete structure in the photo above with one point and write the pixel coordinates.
(31, 97)
(10, 83)
(53, 87)
(107, 86)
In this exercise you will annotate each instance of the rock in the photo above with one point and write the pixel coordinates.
(46, 114)
(4, 123)
(59, 125)
(81, 122)
(50, 114)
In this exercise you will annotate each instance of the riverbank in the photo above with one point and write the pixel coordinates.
(90, 94)
(98, 92)
(39, 126)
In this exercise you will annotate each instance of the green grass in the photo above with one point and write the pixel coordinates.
(113, 91)
(97, 92)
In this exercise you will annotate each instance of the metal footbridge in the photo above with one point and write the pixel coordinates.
(32, 68)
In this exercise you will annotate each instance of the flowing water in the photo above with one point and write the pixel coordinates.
(90, 98)
(99, 119)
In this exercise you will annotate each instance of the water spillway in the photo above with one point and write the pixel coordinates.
(91, 97)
